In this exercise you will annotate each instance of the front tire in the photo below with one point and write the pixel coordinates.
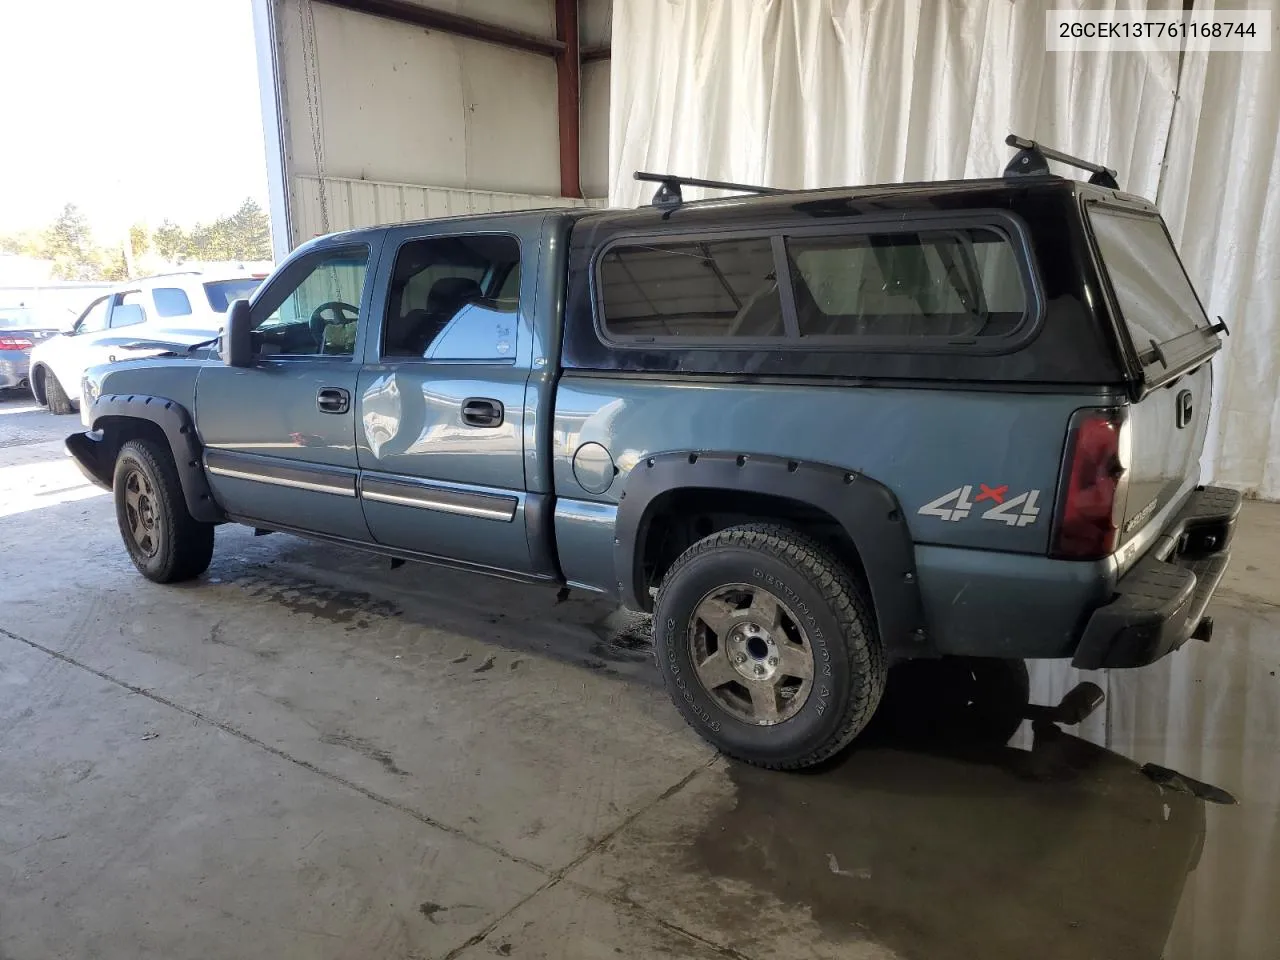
(767, 647)
(165, 542)
(55, 396)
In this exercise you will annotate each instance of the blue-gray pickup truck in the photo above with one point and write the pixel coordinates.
(814, 432)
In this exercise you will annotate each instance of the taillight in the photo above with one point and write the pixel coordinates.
(1092, 499)
(15, 343)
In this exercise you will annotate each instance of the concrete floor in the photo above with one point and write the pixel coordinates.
(306, 754)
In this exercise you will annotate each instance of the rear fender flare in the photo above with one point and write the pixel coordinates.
(179, 429)
(866, 509)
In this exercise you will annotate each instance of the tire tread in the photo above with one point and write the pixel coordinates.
(55, 396)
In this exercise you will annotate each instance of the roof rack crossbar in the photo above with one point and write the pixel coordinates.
(1032, 159)
(668, 195)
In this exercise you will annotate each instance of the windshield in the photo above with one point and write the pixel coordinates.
(223, 293)
(1152, 289)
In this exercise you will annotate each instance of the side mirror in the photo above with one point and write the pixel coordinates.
(237, 336)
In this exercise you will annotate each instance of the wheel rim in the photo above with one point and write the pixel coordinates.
(141, 513)
(750, 654)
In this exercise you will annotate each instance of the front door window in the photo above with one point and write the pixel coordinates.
(319, 314)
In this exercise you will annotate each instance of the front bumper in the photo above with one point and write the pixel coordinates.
(1159, 604)
(87, 450)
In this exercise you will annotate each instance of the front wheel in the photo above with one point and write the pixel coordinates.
(55, 396)
(767, 647)
(165, 542)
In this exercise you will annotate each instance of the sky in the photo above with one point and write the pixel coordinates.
(134, 110)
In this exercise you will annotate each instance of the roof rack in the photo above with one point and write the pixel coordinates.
(1032, 160)
(668, 195)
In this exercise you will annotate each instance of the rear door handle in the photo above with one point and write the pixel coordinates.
(333, 400)
(482, 412)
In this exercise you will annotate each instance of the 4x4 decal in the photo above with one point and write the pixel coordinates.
(1019, 511)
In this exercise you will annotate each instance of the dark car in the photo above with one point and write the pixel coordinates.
(18, 334)
(814, 432)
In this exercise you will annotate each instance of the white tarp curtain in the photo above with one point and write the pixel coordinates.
(816, 93)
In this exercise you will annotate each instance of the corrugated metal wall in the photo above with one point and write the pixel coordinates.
(364, 203)
(380, 121)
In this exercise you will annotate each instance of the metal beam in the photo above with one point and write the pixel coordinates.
(593, 54)
(568, 74)
(402, 11)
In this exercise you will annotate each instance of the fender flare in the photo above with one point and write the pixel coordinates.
(867, 510)
(184, 443)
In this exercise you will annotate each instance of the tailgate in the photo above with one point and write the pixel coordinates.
(1173, 341)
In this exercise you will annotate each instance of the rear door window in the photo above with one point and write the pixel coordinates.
(454, 298)
(705, 289)
(171, 302)
(947, 284)
(1152, 290)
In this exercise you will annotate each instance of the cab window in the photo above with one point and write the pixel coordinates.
(94, 319)
(454, 299)
(314, 310)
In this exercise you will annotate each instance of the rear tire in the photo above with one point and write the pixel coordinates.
(165, 542)
(55, 396)
(767, 647)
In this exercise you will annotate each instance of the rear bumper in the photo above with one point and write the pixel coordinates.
(1160, 602)
(13, 369)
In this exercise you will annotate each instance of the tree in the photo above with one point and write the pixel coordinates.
(139, 239)
(112, 265)
(69, 244)
(244, 235)
(250, 232)
(170, 242)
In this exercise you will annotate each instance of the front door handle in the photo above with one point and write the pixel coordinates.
(482, 412)
(333, 400)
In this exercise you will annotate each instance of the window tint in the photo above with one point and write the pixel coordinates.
(714, 288)
(222, 293)
(94, 319)
(318, 312)
(171, 302)
(1153, 291)
(135, 314)
(454, 298)
(950, 283)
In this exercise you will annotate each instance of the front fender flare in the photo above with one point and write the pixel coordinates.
(179, 429)
(866, 509)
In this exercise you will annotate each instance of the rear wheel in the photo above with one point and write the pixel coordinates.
(767, 647)
(165, 542)
(55, 396)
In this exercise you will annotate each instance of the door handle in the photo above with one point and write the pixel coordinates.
(482, 412)
(333, 400)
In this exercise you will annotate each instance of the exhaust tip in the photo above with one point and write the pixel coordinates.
(1203, 630)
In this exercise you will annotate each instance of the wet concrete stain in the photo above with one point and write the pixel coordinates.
(365, 748)
(429, 910)
(351, 607)
(1064, 850)
(216, 636)
(624, 637)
